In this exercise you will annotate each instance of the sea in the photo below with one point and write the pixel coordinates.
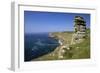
(37, 45)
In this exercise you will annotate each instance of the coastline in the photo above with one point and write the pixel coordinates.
(66, 50)
(61, 37)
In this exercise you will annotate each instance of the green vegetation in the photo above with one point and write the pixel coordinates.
(80, 50)
(77, 51)
(65, 36)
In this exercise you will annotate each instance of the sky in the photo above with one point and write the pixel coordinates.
(37, 22)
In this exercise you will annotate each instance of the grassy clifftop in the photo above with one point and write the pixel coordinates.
(77, 51)
(64, 36)
(81, 50)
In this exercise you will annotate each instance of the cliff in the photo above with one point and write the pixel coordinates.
(73, 45)
(64, 39)
(67, 50)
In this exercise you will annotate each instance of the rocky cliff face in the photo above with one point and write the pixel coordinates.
(79, 29)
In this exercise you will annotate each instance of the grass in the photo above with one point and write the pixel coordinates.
(77, 51)
(66, 36)
(80, 50)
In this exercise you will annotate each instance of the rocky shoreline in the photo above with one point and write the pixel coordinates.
(58, 53)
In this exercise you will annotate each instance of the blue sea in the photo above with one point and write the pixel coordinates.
(37, 45)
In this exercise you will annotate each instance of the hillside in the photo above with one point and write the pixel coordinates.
(70, 51)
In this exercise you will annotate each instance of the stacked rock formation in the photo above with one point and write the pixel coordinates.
(80, 29)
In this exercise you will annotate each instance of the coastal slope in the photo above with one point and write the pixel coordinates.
(66, 50)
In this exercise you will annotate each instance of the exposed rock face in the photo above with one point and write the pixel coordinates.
(79, 24)
(80, 29)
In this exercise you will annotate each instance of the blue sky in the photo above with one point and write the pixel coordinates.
(36, 22)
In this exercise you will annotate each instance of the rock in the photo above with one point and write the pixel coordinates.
(80, 30)
(60, 57)
(60, 42)
(68, 48)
